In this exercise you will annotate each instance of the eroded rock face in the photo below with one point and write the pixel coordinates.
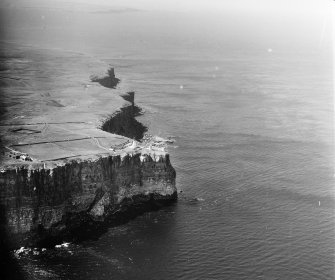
(107, 80)
(41, 202)
(124, 123)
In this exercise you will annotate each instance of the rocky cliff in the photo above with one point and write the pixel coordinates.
(60, 178)
(43, 202)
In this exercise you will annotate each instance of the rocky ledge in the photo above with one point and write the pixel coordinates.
(68, 166)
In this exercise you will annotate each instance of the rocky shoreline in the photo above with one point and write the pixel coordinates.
(60, 179)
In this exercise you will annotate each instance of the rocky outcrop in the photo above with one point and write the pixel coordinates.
(123, 122)
(109, 80)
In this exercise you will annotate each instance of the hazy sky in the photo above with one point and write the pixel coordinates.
(215, 5)
(291, 21)
(277, 6)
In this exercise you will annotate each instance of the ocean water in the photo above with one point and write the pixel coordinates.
(254, 163)
(254, 156)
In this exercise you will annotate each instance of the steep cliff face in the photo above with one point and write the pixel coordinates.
(44, 202)
(124, 123)
(109, 80)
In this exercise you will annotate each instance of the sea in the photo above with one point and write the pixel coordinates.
(249, 102)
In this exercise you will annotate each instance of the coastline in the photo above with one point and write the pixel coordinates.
(59, 171)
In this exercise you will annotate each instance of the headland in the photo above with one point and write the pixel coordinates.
(73, 158)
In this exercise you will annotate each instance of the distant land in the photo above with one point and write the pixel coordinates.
(116, 11)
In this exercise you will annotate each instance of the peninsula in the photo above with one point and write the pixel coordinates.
(73, 158)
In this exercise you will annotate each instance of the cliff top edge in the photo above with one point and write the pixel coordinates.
(52, 111)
